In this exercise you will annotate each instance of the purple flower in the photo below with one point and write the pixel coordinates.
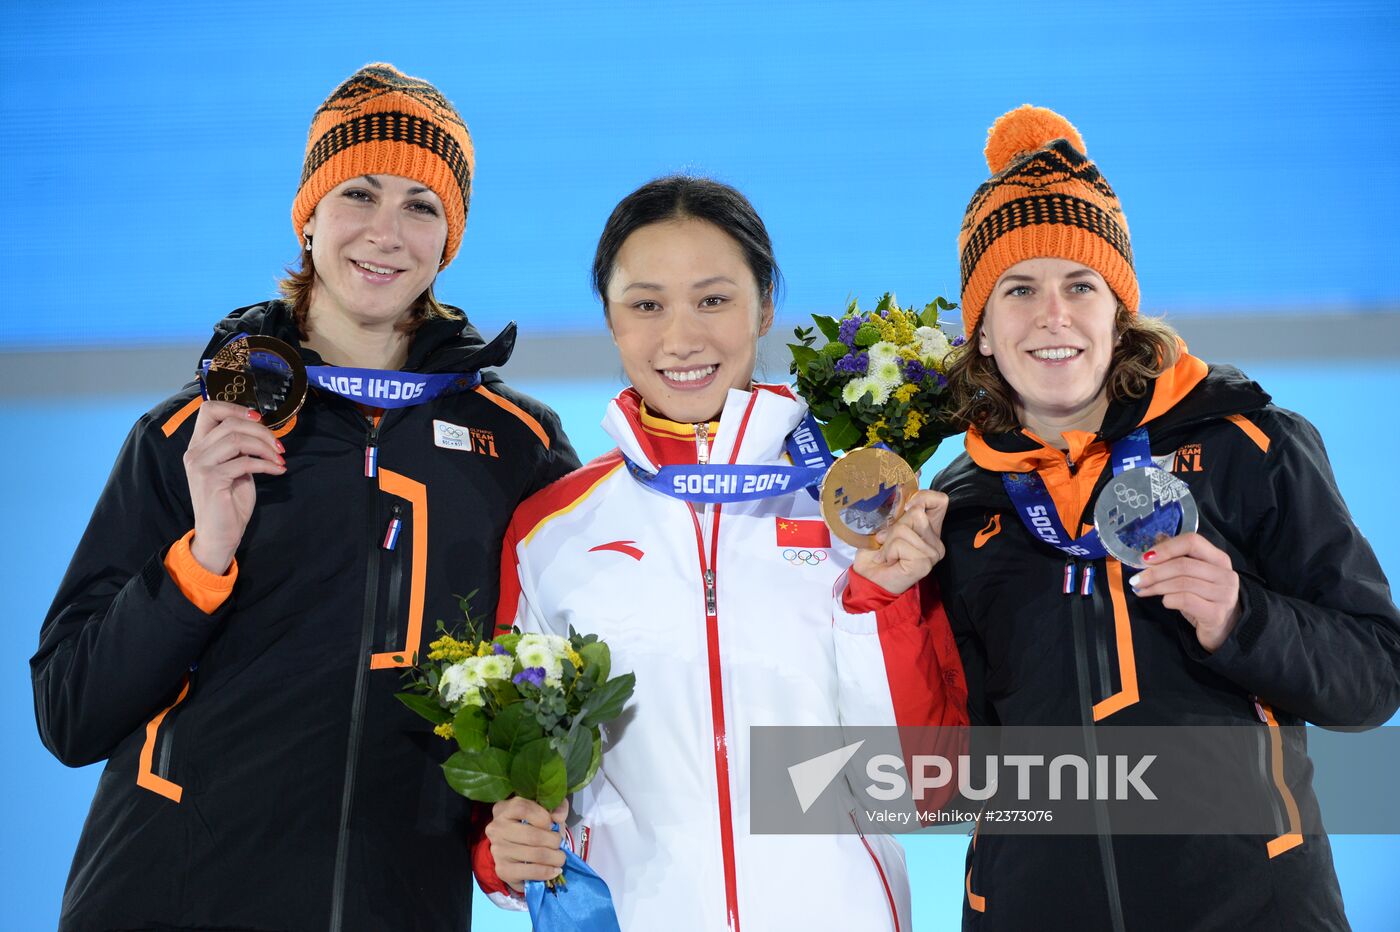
(958, 340)
(913, 370)
(855, 363)
(532, 675)
(497, 649)
(942, 381)
(849, 326)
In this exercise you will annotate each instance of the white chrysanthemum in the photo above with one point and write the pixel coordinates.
(886, 374)
(535, 650)
(875, 390)
(854, 389)
(460, 681)
(495, 667)
(546, 651)
(882, 352)
(933, 345)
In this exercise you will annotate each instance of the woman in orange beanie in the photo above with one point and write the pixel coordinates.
(1269, 610)
(233, 627)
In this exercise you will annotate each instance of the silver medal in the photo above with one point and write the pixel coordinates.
(1140, 508)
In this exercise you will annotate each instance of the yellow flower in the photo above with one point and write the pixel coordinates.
(574, 658)
(873, 434)
(449, 649)
(484, 648)
(913, 423)
(905, 392)
(445, 731)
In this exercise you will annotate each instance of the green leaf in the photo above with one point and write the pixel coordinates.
(483, 776)
(841, 432)
(577, 751)
(469, 728)
(605, 703)
(828, 326)
(929, 317)
(801, 355)
(597, 659)
(886, 302)
(425, 706)
(514, 727)
(595, 759)
(537, 772)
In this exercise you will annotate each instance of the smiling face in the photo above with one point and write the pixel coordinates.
(377, 241)
(686, 313)
(1048, 324)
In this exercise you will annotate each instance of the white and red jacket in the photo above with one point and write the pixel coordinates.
(730, 616)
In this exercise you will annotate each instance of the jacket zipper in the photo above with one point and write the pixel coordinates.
(1091, 744)
(1266, 780)
(352, 751)
(721, 736)
(390, 543)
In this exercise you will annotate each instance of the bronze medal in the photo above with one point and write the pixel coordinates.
(864, 492)
(261, 373)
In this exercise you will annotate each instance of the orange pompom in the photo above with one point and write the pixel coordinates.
(1023, 130)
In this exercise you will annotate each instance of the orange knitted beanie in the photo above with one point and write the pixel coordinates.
(1045, 198)
(381, 121)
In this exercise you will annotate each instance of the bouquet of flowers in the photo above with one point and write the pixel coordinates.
(879, 378)
(523, 709)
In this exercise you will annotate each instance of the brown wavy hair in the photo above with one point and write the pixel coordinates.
(982, 398)
(296, 289)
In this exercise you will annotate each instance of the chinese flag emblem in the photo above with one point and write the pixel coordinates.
(802, 532)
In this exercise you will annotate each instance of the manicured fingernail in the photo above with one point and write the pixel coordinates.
(253, 415)
(1135, 581)
(280, 448)
(1150, 555)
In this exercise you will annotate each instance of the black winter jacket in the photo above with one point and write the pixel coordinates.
(1318, 641)
(260, 773)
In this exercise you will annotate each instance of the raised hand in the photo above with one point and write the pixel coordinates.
(230, 446)
(1194, 577)
(910, 547)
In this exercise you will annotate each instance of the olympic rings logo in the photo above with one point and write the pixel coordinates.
(1131, 497)
(809, 557)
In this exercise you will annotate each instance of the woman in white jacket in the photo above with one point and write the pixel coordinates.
(731, 615)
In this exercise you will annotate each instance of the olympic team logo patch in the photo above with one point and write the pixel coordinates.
(804, 557)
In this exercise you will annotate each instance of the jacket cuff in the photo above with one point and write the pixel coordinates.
(1254, 616)
(863, 607)
(205, 590)
(862, 595)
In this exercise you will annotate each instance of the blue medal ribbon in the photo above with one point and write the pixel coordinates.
(377, 388)
(721, 483)
(582, 904)
(1037, 511)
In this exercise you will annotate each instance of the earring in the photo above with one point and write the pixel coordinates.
(307, 237)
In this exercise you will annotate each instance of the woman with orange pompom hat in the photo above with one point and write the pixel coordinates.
(1224, 585)
(256, 576)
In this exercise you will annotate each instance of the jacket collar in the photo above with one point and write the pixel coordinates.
(438, 345)
(1022, 451)
(752, 426)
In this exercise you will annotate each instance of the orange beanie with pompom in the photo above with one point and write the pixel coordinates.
(1044, 199)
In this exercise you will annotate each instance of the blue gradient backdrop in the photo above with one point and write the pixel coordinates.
(151, 150)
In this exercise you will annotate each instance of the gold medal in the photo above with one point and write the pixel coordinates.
(864, 492)
(261, 373)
